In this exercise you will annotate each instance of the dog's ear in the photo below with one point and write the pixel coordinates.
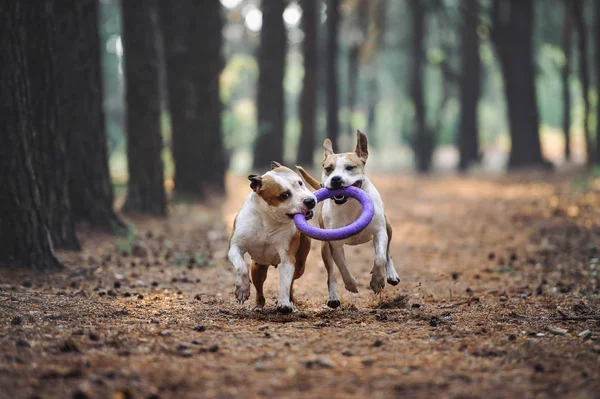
(275, 165)
(327, 148)
(362, 146)
(255, 182)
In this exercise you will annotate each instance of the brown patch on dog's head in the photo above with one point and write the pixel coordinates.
(272, 192)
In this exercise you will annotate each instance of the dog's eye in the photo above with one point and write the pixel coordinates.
(329, 169)
(300, 183)
(350, 167)
(284, 196)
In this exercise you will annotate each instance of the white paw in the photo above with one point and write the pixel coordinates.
(392, 277)
(351, 285)
(285, 307)
(377, 282)
(242, 288)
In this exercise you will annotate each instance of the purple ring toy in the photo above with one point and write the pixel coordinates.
(343, 232)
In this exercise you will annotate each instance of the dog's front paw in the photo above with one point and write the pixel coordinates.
(377, 283)
(285, 306)
(285, 309)
(242, 288)
(393, 278)
(351, 285)
(333, 303)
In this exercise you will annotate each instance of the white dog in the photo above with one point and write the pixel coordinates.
(265, 229)
(340, 171)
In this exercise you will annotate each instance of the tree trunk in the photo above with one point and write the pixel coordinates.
(584, 75)
(47, 105)
(422, 139)
(512, 35)
(565, 74)
(597, 56)
(333, 123)
(208, 63)
(183, 97)
(308, 97)
(353, 65)
(24, 234)
(470, 86)
(373, 91)
(145, 187)
(271, 102)
(90, 188)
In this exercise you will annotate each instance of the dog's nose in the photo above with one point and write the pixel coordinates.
(310, 203)
(336, 182)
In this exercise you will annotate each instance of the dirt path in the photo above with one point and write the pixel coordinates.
(493, 273)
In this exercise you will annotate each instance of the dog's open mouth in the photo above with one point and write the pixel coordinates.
(307, 215)
(342, 199)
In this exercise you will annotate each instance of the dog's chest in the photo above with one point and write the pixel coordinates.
(264, 244)
(264, 252)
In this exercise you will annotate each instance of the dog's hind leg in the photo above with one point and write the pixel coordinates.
(334, 300)
(390, 271)
(337, 252)
(259, 275)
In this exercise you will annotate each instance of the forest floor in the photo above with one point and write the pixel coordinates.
(499, 299)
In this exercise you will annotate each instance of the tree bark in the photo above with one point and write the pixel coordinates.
(145, 187)
(90, 188)
(270, 99)
(333, 123)
(353, 66)
(512, 35)
(597, 56)
(584, 75)
(308, 97)
(422, 141)
(565, 74)
(208, 63)
(183, 97)
(24, 234)
(470, 86)
(47, 107)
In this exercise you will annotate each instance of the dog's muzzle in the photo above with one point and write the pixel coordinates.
(342, 199)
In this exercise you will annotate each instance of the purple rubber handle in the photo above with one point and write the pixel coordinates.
(343, 232)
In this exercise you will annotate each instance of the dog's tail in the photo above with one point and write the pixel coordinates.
(311, 181)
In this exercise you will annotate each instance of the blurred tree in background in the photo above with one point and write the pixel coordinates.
(270, 100)
(333, 121)
(308, 101)
(90, 187)
(512, 34)
(145, 186)
(470, 85)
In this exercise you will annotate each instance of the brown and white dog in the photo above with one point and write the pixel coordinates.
(264, 228)
(343, 170)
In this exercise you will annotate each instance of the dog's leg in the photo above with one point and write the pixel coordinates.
(390, 271)
(259, 275)
(286, 277)
(301, 255)
(337, 252)
(380, 241)
(242, 280)
(334, 300)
